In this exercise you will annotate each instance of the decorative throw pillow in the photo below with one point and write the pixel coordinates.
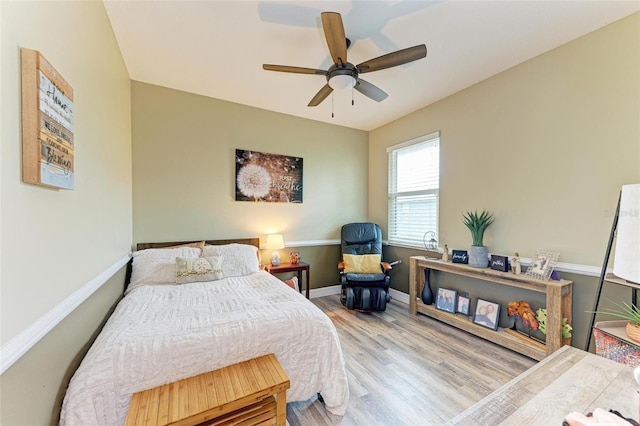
(191, 270)
(293, 283)
(197, 244)
(237, 259)
(362, 263)
(157, 266)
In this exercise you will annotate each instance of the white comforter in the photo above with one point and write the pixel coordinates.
(160, 334)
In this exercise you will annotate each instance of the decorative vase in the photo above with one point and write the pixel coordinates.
(427, 294)
(478, 256)
(633, 331)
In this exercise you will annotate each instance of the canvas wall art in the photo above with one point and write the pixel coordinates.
(268, 177)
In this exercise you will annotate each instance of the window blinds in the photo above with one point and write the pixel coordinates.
(414, 181)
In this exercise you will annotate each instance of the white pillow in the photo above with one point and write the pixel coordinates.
(237, 259)
(157, 266)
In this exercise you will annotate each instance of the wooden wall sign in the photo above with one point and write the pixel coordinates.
(460, 256)
(499, 263)
(47, 123)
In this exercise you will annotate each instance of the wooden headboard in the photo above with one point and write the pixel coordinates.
(250, 241)
(144, 246)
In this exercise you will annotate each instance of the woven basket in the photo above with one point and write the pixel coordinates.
(633, 331)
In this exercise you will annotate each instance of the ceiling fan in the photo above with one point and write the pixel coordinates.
(343, 74)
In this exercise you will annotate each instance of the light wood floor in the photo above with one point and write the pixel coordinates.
(408, 370)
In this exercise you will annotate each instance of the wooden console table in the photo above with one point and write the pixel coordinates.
(558, 301)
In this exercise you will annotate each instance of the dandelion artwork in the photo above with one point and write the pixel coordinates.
(268, 177)
(254, 181)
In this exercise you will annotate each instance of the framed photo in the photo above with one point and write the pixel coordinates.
(462, 306)
(487, 314)
(542, 265)
(446, 300)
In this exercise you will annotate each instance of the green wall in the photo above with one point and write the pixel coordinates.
(546, 146)
(184, 175)
(555, 137)
(33, 388)
(54, 243)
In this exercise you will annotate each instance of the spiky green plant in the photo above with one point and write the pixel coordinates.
(477, 224)
(626, 311)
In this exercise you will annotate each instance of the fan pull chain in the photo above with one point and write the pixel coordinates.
(352, 103)
(331, 105)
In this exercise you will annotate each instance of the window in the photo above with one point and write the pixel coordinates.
(414, 182)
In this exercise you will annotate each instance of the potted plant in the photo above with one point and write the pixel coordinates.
(477, 224)
(541, 316)
(630, 313)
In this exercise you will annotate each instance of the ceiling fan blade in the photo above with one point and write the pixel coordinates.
(296, 70)
(334, 33)
(320, 96)
(393, 59)
(370, 91)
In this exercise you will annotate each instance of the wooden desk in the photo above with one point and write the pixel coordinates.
(229, 395)
(568, 380)
(288, 267)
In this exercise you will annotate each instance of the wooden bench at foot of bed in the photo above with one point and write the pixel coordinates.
(239, 394)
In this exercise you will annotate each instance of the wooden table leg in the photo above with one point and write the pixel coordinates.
(281, 408)
(300, 281)
(308, 282)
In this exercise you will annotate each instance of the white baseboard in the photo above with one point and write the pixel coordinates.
(335, 289)
(399, 295)
(324, 291)
(11, 351)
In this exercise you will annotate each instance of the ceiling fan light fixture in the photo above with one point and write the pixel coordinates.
(343, 74)
(342, 82)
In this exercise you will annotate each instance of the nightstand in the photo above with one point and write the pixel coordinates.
(288, 267)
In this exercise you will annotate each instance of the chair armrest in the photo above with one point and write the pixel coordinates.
(386, 266)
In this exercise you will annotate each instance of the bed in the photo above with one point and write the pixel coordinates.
(162, 331)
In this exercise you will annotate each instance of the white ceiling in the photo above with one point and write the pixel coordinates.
(217, 48)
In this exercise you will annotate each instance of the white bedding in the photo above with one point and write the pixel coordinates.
(160, 334)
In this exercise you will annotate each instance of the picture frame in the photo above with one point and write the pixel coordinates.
(542, 265)
(446, 300)
(265, 177)
(487, 314)
(462, 305)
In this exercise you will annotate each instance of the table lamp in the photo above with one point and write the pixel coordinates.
(275, 242)
(626, 263)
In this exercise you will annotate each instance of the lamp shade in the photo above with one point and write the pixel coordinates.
(626, 263)
(275, 242)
